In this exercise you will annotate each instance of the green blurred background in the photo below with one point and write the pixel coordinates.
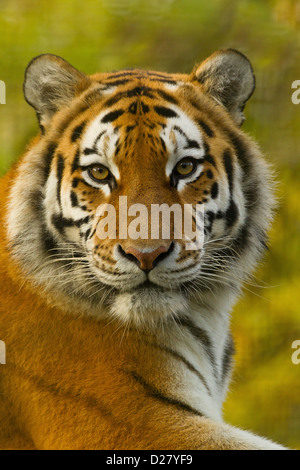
(172, 35)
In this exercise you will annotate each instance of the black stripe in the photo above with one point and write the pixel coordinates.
(93, 96)
(227, 159)
(145, 107)
(167, 97)
(39, 116)
(200, 335)
(74, 199)
(59, 173)
(206, 147)
(211, 217)
(231, 214)
(210, 160)
(137, 73)
(165, 112)
(113, 116)
(241, 151)
(60, 222)
(137, 91)
(130, 128)
(115, 83)
(209, 174)
(75, 182)
(192, 144)
(133, 108)
(69, 393)
(214, 190)
(82, 221)
(76, 161)
(163, 144)
(35, 200)
(140, 91)
(93, 233)
(170, 82)
(77, 132)
(242, 239)
(240, 244)
(141, 74)
(48, 157)
(208, 131)
(264, 241)
(49, 243)
(81, 108)
(88, 151)
(87, 234)
(98, 138)
(227, 360)
(158, 75)
(182, 359)
(36, 203)
(125, 73)
(152, 391)
(177, 128)
(251, 191)
(118, 148)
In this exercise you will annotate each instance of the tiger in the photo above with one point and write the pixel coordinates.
(125, 343)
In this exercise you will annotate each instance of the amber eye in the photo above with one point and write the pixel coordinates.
(185, 167)
(98, 172)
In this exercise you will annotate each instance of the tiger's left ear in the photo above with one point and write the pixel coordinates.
(50, 84)
(228, 77)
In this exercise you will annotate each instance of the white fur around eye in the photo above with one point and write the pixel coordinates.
(101, 137)
(103, 187)
(175, 136)
(186, 180)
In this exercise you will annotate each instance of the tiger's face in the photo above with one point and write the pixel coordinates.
(156, 139)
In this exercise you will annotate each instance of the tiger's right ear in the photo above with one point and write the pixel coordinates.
(227, 76)
(51, 83)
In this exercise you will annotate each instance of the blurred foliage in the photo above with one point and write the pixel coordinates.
(172, 35)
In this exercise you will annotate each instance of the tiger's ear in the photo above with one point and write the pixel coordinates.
(228, 77)
(51, 83)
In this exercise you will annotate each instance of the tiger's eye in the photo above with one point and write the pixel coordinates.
(99, 172)
(185, 167)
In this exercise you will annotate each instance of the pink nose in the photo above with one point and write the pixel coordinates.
(146, 260)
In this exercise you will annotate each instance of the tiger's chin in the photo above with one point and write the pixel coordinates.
(147, 307)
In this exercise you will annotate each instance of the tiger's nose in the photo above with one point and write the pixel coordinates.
(147, 260)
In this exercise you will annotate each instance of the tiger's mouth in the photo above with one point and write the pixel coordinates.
(143, 288)
(149, 286)
(164, 281)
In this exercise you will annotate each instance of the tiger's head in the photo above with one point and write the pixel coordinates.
(158, 139)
